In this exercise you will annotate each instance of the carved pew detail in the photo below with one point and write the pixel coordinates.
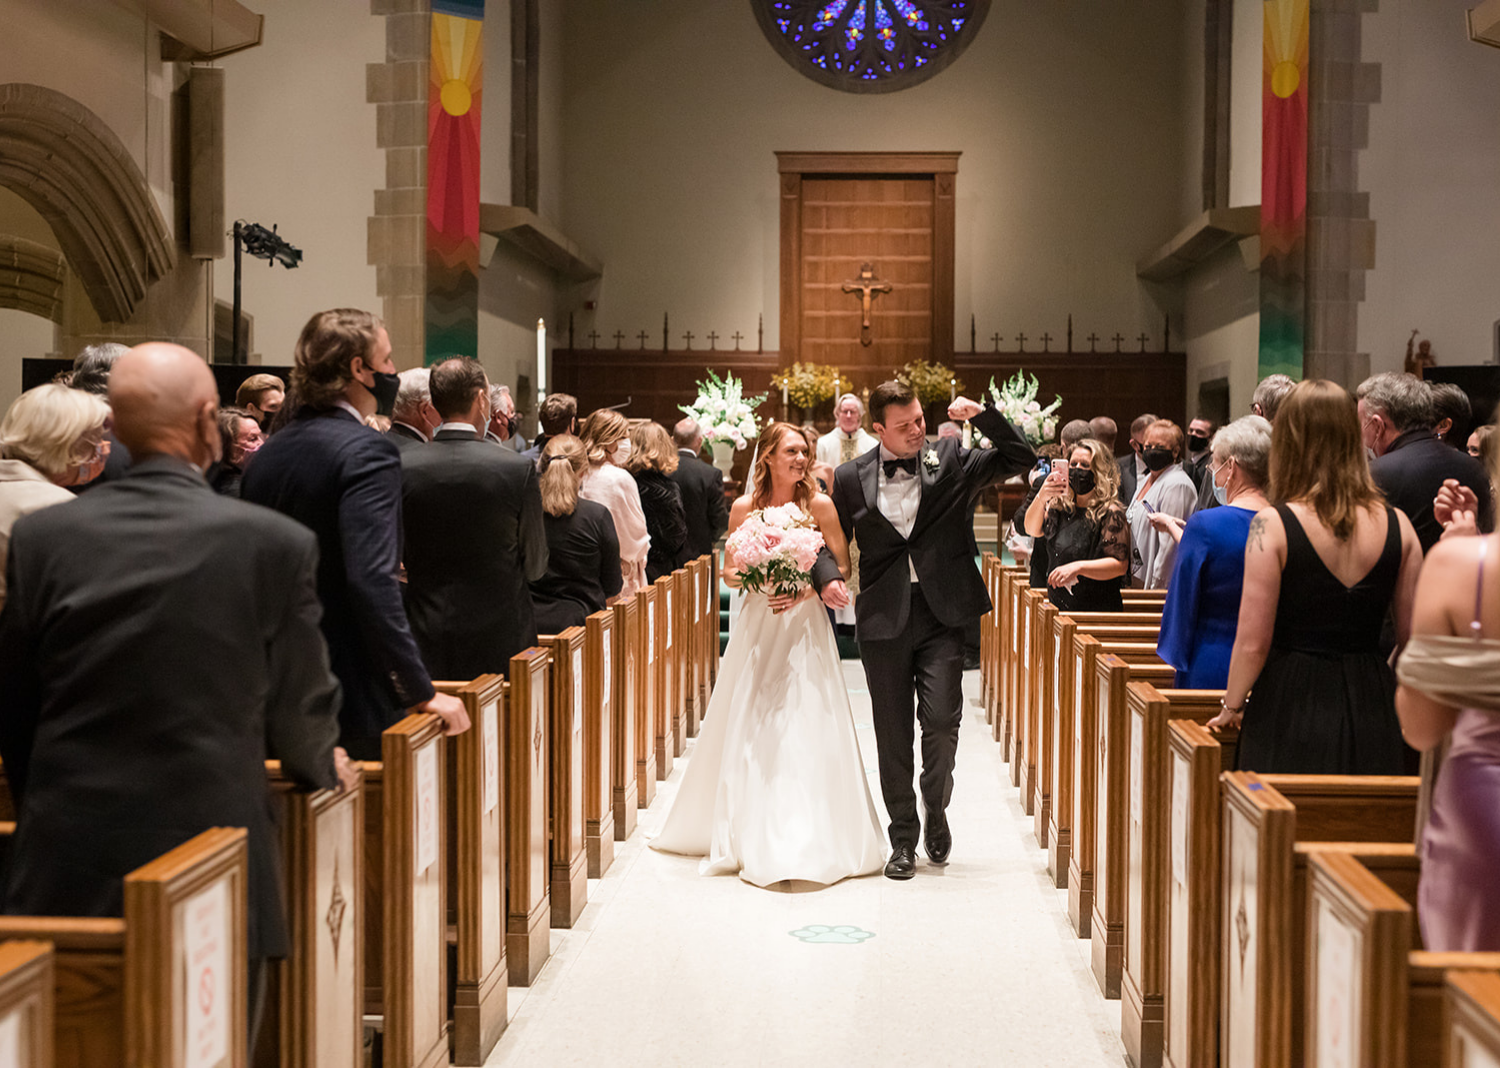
(669, 740)
(1473, 1039)
(27, 994)
(620, 653)
(476, 867)
(568, 862)
(528, 909)
(315, 1017)
(647, 763)
(598, 743)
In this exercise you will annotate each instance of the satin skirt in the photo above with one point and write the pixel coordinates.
(776, 788)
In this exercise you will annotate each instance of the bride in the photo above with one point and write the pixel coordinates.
(776, 788)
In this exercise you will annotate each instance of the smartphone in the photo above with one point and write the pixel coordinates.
(1147, 505)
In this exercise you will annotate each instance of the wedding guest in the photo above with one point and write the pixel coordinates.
(949, 429)
(1448, 698)
(583, 561)
(261, 395)
(1452, 413)
(1103, 428)
(702, 488)
(606, 437)
(1482, 446)
(822, 473)
(1196, 457)
(413, 418)
(1048, 456)
(1132, 467)
(52, 437)
(652, 462)
(1078, 512)
(557, 415)
(91, 370)
(240, 438)
(1322, 569)
(1202, 609)
(1167, 490)
(848, 438)
(1269, 393)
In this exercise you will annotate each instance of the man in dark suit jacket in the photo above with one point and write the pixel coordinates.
(159, 642)
(908, 504)
(413, 419)
(474, 535)
(1396, 417)
(702, 487)
(342, 480)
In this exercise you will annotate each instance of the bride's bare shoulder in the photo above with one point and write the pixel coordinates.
(822, 507)
(739, 509)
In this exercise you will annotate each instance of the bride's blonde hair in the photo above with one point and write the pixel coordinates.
(805, 490)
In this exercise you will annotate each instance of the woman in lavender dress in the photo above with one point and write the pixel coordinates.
(1450, 692)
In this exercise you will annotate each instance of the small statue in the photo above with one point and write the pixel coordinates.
(1422, 358)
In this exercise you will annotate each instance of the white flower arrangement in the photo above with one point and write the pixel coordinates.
(723, 411)
(1016, 400)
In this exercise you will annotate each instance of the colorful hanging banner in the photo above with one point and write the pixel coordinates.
(1283, 191)
(455, 87)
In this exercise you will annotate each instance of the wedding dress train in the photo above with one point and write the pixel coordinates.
(776, 787)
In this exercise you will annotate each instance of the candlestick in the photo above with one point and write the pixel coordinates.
(783, 396)
(952, 389)
(541, 359)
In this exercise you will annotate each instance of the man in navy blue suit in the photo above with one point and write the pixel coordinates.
(333, 474)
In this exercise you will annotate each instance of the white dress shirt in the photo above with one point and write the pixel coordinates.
(468, 428)
(898, 498)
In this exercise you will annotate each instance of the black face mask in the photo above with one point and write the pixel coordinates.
(513, 425)
(1081, 480)
(1156, 458)
(384, 391)
(1197, 443)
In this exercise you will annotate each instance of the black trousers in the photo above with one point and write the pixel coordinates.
(926, 662)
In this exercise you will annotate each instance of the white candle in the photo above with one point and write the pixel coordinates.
(541, 360)
(952, 389)
(783, 393)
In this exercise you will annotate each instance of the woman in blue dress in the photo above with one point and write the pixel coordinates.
(1202, 609)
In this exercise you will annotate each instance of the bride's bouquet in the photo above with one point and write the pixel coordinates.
(775, 549)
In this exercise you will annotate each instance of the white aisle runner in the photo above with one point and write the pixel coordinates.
(974, 964)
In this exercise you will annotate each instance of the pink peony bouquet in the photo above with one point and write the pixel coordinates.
(775, 549)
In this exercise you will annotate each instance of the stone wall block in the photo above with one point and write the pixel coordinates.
(408, 36)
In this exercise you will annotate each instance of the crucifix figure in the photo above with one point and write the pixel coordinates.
(866, 286)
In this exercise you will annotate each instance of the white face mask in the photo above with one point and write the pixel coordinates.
(622, 451)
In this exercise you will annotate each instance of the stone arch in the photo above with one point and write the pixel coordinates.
(68, 165)
(31, 277)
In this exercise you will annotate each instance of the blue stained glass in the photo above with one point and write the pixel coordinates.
(829, 13)
(870, 39)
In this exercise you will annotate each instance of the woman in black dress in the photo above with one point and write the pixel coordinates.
(583, 564)
(653, 458)
(1078, 512)
(1322, 568)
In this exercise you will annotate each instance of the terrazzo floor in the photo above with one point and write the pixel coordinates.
(972, 964)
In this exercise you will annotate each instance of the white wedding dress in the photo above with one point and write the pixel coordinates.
(776, 786)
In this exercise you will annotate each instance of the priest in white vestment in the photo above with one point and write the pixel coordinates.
(840, 445)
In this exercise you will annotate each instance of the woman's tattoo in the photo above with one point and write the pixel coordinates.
(1257, 531)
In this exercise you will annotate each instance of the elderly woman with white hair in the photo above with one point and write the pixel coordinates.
(52, 438)
(1202, 611)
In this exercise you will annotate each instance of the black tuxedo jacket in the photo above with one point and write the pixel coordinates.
(404, 436)
(702, 487)
(159, 642)
(342, 480)
(1128, 477)
(939, 546)
(474, 540)
(1412, 471)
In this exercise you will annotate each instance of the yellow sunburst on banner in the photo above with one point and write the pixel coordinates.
(457, 61)
(1286, 23)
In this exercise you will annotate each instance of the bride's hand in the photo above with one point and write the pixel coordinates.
(782, 601)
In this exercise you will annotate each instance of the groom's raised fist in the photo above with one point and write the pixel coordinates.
(836, 595)
(963, 409)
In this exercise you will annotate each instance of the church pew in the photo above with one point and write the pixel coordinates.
(598, 743)
(708, 630)
(987, 622)
(1138, 598)
(169, 977)
(1472, 1023)
(646, 695)
(1010, 666)
(1149, 849)
(621, 652)
(1024, 729)
(27, 995)
(313, 1015)
(1042, 713)
(671, 739)
(1270, 825)
(567, 859)
(528, 905)
(682, 653)
(1105, 752)
(1197, 757)
(476, 833)
(691, 622)
(712, 623)
(1058, 752)
(992, 655)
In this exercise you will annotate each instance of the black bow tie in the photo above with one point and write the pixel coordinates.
(909, 465)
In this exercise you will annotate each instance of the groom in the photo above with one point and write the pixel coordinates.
(907, 504)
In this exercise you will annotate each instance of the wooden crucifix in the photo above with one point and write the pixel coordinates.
(866, 286)
(738, 337)
(713, 339)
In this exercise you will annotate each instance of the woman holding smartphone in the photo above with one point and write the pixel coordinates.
(1078, 512)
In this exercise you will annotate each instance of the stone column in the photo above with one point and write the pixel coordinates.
(398, 228)
(1340, 232)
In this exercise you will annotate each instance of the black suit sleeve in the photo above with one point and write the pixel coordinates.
(533, 532)
(1009, 456)
(611, 579)
(1486, 511)
(826, 570)
(674, 523)
(718, 510)
(20, 683)
(302, 706)
(369, 528)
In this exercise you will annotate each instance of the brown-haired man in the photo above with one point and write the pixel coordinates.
(261, 395)
(907, 503)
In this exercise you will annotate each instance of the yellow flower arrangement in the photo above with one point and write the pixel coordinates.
(806, 385)
(932, 382)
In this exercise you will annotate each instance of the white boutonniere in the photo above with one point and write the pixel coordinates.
(930, 460)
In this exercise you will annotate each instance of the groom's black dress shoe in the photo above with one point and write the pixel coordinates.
(938, 839)
(903, 863)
